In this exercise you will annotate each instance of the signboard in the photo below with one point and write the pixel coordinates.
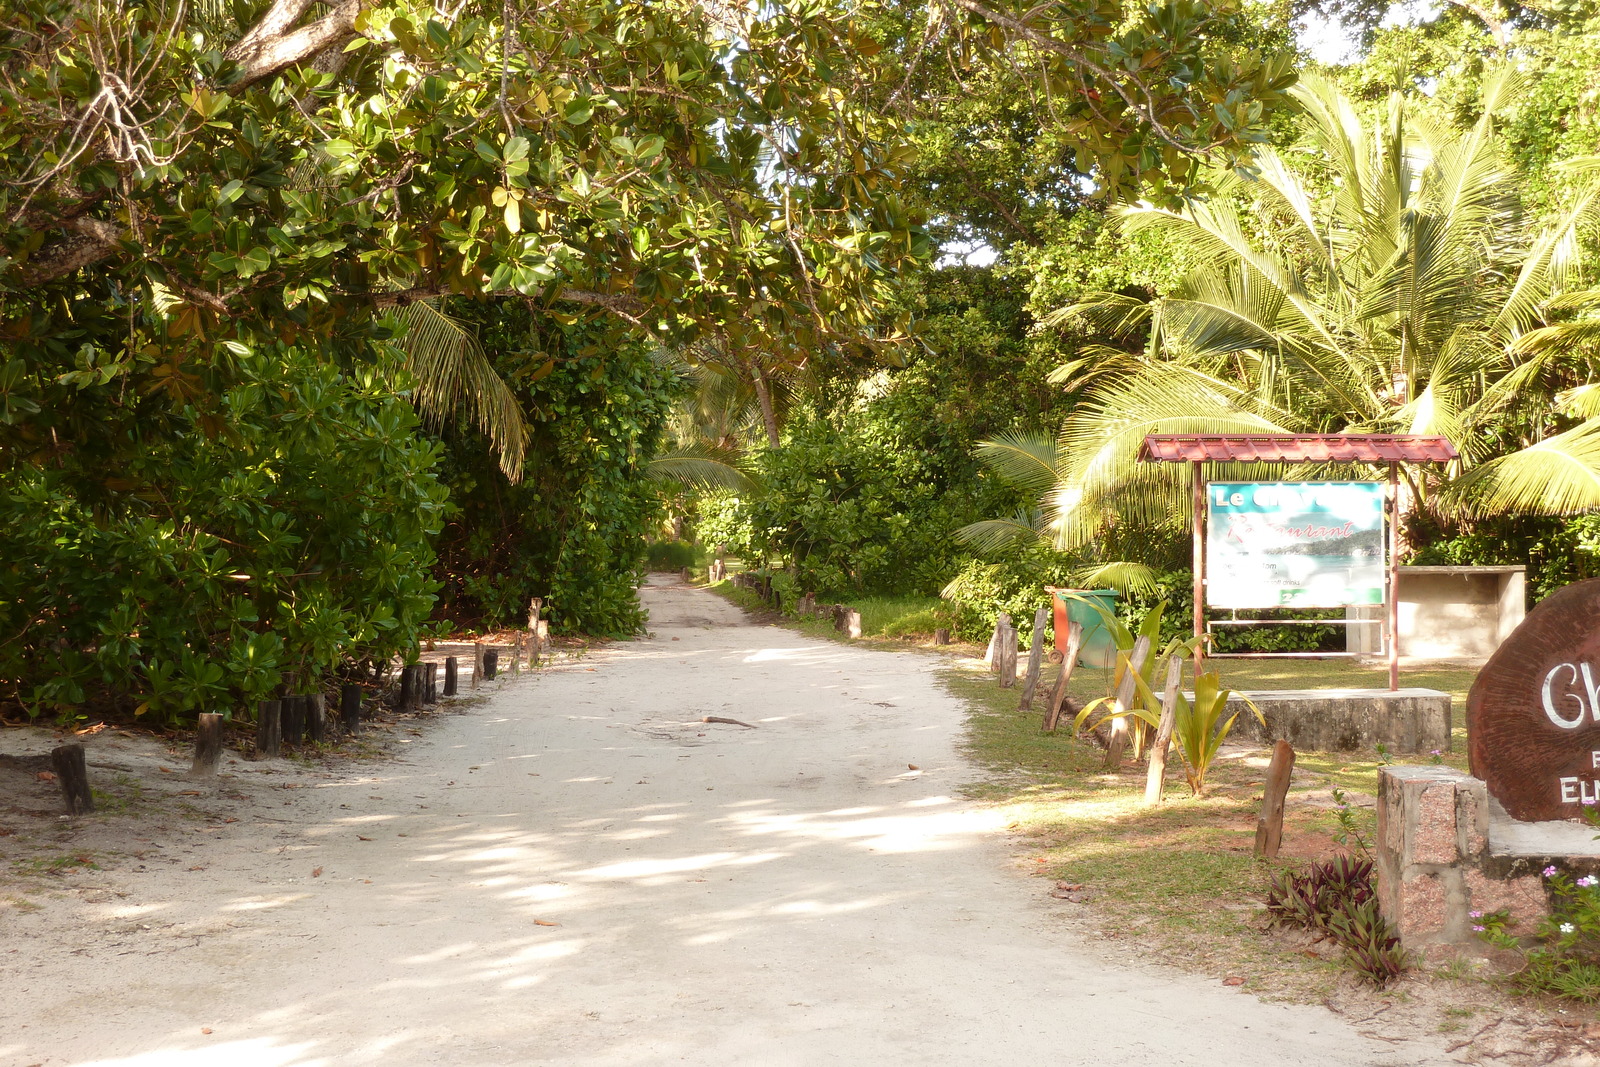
(1533, 714)
(1294, 544)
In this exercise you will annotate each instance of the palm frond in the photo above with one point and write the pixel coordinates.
(1558, 476)
(700, 467)
(993, 536)
(1026, 461)
(455, 378)
(1125, 576)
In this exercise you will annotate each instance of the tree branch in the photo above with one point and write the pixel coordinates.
(88, 240)
(270, 46)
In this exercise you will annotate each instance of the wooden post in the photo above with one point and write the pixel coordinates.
(1269, 828)
(350, 708)
(516, 653)
(1156, 777)
(294, 719)
(1007, 659)
(1394, 579)
(1199, 551)
(541, 640)
(852, 622)
(991, 657)
(408, 680)
(316, 717)
(491, 664)
(451, 666)
(71, 765)
(1030, 682)
(941, 636)
(428, 683)
(207, 745)
(269, 728)
(1124, 700)
(1069, 663)
(477, 662)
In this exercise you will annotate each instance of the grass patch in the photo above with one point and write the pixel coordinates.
(47, 865)
(1181, 876)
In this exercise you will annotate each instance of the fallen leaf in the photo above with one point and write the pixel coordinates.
(191, 793)
(366, 881)
(164, 770)
(1233, 979)
(1070, 885)
(47, 776)
(316, 872)
(544, 922)
(197, 868)
(912, 767)
(205, 1029)
(360, 838)
(591, 669)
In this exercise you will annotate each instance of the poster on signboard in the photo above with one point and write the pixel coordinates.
(1294, 544)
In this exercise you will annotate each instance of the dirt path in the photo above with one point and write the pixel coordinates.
(583, 872)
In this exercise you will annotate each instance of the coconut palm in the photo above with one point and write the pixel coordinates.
(1379, 279)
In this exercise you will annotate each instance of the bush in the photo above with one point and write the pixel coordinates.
(263, 540)
(1337, 899)
(981, 590)
(669, 555)
(1565, 960)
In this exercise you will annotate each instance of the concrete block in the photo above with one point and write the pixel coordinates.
(1347, 720)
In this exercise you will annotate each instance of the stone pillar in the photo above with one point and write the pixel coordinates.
(1432, 860)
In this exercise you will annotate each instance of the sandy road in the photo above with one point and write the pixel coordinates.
(791, 894)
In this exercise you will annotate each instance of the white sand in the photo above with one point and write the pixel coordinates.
(792, 894)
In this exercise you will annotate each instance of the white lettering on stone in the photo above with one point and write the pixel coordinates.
(1569, 790)
(1549, 704)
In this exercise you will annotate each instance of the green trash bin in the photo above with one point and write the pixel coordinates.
(1098, 648)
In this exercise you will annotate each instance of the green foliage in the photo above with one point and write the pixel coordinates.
(670, 555)
(1198, 729)
(195, 559)
(573, 530)
(1565, 959)
(981, 590)
(1337, 899)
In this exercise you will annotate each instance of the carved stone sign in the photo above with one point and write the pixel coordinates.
(1533, 715)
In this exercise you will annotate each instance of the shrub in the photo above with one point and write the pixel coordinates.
(263, 539)
(1565, 959)
(669, 555)
(1336, 898)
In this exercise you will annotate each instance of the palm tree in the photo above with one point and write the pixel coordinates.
(1386, 282)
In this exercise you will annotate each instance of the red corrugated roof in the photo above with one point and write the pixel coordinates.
(1296, 448)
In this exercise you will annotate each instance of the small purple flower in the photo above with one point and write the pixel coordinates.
(1479, 929)
(1437, 752)
(1588, 880)
(1550, 872)
(1475, 914)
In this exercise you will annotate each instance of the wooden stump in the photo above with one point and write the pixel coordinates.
(71, 765)
(1030, 682)
(316, 717)
(350, 708)
(1269, 828)
(491, 664)
(1007, 660)
(1155, 780)
(941, 637)
(991, 656)
(451, 667)
(541, 639)
(269, 728)
(408, 681)
(516, 653)
(430, 683)
(477, 662)
(207, 745)
(852, 622)
(294, 719)
(1126, 694)
(1069, 663)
